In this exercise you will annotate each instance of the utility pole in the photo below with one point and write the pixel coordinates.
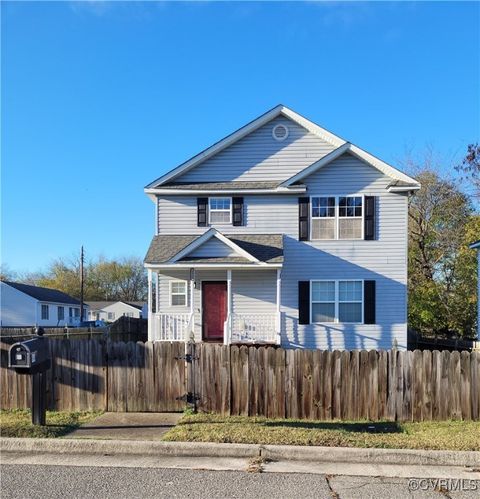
(82, 256)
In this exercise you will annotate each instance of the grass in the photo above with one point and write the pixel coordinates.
(18, 423)
(445, 435)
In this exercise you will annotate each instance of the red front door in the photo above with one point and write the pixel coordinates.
(214, 305)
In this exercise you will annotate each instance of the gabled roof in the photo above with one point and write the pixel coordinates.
(341, 147)
(100, 305)
(402, 181)
(253, 249)
(43, 294)
(475, 245)
(242, 132)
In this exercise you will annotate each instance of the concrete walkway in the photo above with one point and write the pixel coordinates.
(128, 426)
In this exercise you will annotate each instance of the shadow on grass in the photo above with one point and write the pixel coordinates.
(383, 427)
(353, 427)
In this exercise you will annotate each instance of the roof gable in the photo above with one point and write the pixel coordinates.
(330, 140)
(406, 182)
(253, 249)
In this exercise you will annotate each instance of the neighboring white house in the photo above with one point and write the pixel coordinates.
(281, 233)
(476, 245)
(23, 305)
(110, 311)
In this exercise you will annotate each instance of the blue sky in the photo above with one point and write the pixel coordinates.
(99, 99)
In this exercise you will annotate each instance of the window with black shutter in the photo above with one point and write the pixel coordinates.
(237, 211)
(369, 218)
(304, 302)
(369, 295)
(202, 206)
(303, 216)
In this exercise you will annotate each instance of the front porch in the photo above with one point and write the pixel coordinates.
(249, 312)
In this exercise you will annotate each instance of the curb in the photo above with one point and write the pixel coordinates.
(372, 456)
(127, 447)
(272, 452)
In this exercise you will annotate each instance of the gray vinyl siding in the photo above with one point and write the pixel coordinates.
(213, 247)
(258, 156)
(383, 260)
(250, 296)
(263, 214)
(478, 293)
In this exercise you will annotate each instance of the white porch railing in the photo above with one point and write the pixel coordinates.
(253, 328)
(172, 327)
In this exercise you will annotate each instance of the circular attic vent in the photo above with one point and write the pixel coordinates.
(280, 132)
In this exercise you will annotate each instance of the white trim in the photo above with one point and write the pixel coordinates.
(337, 217)
(219, 266)
(210, 209)
(474, 245)
(204, 238)
(337, 300)
(405, 188)
(227, 327)
(151, 327)
(277, 190)
(170, 293)
(347, 147)
(242, 132)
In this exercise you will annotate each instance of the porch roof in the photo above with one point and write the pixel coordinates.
(266, 248)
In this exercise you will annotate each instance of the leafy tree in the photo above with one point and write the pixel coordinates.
(470, 168)
(121, 279)
(441, 267)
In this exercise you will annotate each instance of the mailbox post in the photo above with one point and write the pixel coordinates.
(33, 357)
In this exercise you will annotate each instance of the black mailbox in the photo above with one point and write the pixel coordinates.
(30, 357)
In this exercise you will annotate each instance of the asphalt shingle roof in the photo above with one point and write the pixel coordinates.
(43, 294)
(267, 248)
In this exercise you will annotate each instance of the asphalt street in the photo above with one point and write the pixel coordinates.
(37, 481)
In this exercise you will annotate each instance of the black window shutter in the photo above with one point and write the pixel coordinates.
(369, 305)
(369, 218)
(202, 204)
(237, 211)
(304, 302)
(303, 215)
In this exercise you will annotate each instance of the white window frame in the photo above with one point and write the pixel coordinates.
(43, 307)
(210, 210)
(170, 294)
(337, 300)
(337, 216)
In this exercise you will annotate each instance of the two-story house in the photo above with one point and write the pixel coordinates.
(281, 233)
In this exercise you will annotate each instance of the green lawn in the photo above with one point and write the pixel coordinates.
(448, 435)
(18, 423)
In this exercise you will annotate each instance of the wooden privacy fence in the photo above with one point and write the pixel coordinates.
(255, 381)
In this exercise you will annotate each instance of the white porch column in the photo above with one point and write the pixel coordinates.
(192, 305)
(228, 332)
(157, 293)
(278, 319)
(150, 315)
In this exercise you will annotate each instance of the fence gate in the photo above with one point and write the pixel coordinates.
(146, 377)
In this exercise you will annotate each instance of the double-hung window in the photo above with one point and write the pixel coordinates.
(61, 313)
(44, 313)
(178, 293)
(324, 218)
(337, 302)
(350, 217)
(337, 217)
(220, 210)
